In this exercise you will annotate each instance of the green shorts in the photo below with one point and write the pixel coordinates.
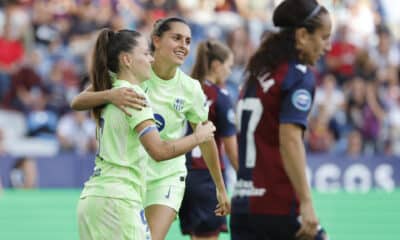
(167, 191)
(110, 218)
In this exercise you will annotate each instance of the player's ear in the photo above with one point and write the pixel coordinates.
(215, 65)
(301, 36)
(156, 41)
(125, 59)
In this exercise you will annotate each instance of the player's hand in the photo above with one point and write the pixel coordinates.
(309, 222)
(223, 206)
(125, 98)
(204, 132)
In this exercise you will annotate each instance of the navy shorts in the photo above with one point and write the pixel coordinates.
(197, 215)
(266, 227)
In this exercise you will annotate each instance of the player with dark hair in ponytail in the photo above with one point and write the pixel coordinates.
(272, 198)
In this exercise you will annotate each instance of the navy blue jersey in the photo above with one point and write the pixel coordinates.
(283, 96)
(221, 113)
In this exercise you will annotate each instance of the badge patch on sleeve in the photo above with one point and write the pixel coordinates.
(301, 99)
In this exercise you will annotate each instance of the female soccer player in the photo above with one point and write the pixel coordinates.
(111, 203)
(213, 65)
(176, 98)
(272, 199)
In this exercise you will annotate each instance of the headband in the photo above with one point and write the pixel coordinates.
(313, 13)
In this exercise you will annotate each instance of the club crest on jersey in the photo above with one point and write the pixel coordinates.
(178, 104)
(301, 99)
(160, 121)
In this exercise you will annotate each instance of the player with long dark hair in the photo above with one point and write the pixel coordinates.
(272, 198)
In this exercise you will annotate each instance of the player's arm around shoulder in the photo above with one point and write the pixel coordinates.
(123, 98)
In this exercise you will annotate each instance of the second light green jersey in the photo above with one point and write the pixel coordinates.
(121, 161)
(174, 102)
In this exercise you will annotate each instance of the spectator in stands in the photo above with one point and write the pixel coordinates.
(76, 132)
(355, 104)
(340, 60)
(365, 66)
(41, 120)
(360, 114)
(255, 12)
(62, 83)
(24, 173)
(320, 138)
(226, 5)
(161, 8)
(11, 46)
(354, 144)
(329, 96)
(23, 82)
(359, 19)
(386, 53)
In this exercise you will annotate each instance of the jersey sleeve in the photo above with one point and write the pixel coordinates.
(226, 119)
(199, 108)
(138, 116)
(297, 97)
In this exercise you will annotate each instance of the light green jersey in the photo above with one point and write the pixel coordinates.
(174, 102)
(121, 161)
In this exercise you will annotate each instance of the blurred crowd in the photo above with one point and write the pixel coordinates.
(45, 53)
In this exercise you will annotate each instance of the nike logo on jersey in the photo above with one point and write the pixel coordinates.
(169, 193)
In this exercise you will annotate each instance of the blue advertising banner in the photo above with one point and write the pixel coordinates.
(327, 173)
(331, 173)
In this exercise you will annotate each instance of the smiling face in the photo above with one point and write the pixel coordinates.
(173, 46)
(314, 45)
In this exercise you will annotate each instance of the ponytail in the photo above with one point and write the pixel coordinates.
(207, 52)
(201, 66)
(99, 70)
(108, 46)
